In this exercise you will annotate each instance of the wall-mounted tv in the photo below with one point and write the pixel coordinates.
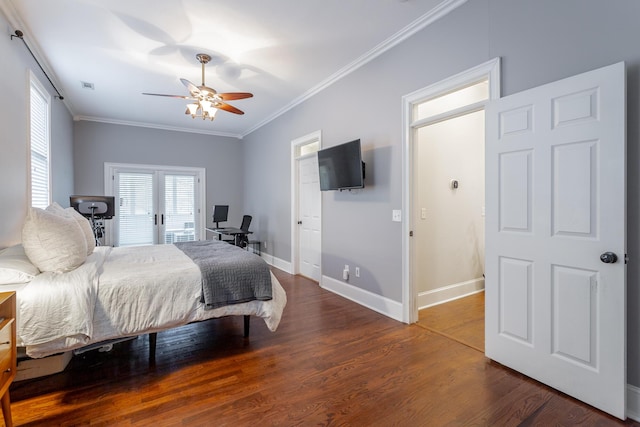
(99, 206)
(341, 167)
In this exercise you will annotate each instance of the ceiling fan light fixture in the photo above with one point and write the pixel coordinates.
(207, 101)
(205, 105)
(192, 109)
(212, 113)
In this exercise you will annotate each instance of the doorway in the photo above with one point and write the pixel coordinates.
(445, 107)
(306, 207)
(449, 229)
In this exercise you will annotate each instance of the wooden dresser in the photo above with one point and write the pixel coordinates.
(7, 351)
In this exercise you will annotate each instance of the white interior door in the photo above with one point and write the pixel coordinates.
(309, 217)
(555, 177)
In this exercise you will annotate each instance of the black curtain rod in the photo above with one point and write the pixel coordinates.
(19, 34)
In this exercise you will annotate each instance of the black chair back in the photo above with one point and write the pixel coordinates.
(246, 221)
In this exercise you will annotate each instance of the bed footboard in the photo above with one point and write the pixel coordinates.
(153, 337)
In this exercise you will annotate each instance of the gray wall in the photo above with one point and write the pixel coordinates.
(97, 143)
(14, 137)
(539, 41)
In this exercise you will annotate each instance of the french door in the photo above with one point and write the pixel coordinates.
(156, 206)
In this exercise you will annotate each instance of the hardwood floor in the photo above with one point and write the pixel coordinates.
(461, 320)
(331, 362)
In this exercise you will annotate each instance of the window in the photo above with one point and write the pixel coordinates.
(458, 98)
(39, 143)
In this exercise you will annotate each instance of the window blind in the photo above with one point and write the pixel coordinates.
(136, 212)
(179, 206)
(39, 142)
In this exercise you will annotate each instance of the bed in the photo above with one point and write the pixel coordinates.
(124, 292)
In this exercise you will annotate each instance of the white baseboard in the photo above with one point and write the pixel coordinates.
(633, 402)
(450, 293)
(277, 262)
(390, 308)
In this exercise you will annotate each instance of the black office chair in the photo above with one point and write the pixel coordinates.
(242, 239)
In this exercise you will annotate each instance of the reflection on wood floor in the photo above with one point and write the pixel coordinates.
(461, 320)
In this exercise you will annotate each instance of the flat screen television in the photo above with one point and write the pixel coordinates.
(341, 167)
(220, 213)
(100, 206)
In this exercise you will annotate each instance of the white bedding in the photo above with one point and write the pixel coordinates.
(122, 292)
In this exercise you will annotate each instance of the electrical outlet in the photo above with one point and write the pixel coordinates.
(345, 274)
(357, 271)
(346, 268)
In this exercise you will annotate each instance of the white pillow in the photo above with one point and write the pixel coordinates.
(15, 266)
(53, 242)
(81, 220)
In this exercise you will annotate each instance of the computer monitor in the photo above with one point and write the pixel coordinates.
(220, 213)
(97, 206)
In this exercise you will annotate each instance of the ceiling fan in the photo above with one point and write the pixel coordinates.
(207, 100)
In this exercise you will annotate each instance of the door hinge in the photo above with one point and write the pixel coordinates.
(626, 258)
(411, 233)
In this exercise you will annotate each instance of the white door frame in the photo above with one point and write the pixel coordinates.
(295, 198)
(109, 190)
(490, 70)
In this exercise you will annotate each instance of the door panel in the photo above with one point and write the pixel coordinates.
(178, 206)
(135, 219)
(555, 202)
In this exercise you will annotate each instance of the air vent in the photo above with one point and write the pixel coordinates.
(87, 85)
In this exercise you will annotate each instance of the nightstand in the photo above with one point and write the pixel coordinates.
(7, 351)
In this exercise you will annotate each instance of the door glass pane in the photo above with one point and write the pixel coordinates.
(179, 207)
(135, 218)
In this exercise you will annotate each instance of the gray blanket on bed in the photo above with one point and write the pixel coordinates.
(230, 275)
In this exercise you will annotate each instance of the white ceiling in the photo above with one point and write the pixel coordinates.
(282, 51)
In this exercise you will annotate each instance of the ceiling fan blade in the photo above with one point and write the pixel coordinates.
(170, 96)
(229, 108)
(230, 96)
(193, 89)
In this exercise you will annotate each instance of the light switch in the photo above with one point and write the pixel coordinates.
(396, 215)
(423, 213)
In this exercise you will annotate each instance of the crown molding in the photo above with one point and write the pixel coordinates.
(428, 18)
(155, 126)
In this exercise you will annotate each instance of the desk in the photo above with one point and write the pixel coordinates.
(237, 233)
